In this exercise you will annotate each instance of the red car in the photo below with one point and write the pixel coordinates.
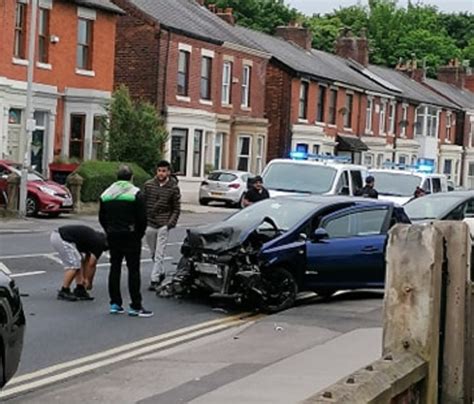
(44, 196)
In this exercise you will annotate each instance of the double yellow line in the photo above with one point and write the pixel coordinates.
(63, 371)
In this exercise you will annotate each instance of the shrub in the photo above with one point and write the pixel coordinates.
(99, 175)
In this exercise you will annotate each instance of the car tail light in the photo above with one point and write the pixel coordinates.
(204, 183)
(234, 186)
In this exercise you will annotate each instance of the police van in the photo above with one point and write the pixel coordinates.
(313, 174)
(398, 182)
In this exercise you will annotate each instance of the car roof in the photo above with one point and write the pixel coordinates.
(407, 172)
(460, 194)
(327, 200)
(319, 163)
(236, 172)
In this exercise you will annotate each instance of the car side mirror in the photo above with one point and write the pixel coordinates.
(302, 237)
(320, 234)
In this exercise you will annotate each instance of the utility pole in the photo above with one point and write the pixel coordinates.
(30, 122)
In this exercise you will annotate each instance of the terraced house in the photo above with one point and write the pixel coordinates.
(208, 83)
(73, 78)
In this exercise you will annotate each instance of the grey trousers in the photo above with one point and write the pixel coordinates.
(157, 240)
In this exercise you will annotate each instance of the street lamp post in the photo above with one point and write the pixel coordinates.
(30, 122)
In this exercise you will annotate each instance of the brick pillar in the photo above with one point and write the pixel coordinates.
(13, 192)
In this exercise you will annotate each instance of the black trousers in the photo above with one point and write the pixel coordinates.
(131, 252)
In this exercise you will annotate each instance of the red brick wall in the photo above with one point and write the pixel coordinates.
(136, 58)
(62, 55)
(278, 106)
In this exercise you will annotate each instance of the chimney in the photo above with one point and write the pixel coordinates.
(453, 73)
(227, 14)
(200, 2)
(297, 34)
(350, 47)
(412, 70)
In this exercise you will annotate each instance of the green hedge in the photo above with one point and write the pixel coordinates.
(99, 175)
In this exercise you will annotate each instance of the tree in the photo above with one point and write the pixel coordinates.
(135, 132)
(261, 15)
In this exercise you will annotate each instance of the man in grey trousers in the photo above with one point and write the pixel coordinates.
(163, 204)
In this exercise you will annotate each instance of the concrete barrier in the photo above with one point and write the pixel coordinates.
(428, 342)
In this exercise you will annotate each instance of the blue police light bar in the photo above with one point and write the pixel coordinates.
(298, 155)
(301, 155)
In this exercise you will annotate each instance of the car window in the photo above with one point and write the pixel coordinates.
(469, 209)
(436, 184)
(395, 183)
(364, 223)
(427, 186)
(356, 177)
(343, 184)
(222, 177)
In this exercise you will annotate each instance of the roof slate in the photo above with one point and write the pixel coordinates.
(463, 98)
(410, 88)
(105, 5)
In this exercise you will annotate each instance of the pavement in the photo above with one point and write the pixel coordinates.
(190, 352)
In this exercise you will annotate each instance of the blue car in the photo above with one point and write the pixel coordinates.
(270, 251)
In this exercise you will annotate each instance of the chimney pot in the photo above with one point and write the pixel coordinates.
(301, 36)
(350, 47)
(454, 73)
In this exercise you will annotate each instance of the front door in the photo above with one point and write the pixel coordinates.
(353, 254)
(38, 142)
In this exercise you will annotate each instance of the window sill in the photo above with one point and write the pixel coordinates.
(88, 73)
(230, 106)
(318, 123)
(44, 66)
(302, 120)
(369, 133)
(348, 129)
(183, 98)
(331, 125)
(247, 109)
(20, 62)
(205, 102)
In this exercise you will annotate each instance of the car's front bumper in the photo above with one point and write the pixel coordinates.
(50, 204)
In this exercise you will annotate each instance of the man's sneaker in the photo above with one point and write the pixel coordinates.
(116, 309)
(81, 294)
(140, 313)
(67, 295)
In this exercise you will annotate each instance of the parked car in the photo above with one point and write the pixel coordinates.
(227, 186)
(399, 186)
(455, 205)
(327, 177)
(44, 196)
(12, 328)
(269, 251)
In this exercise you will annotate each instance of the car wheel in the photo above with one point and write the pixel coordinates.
(279, 290)
(203, 202)
(325, 293)
(32, 206)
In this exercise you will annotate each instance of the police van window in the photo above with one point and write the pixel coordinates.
(469, 209)
(436, 185)
(357, 182)
(427, 185)
(343, 184)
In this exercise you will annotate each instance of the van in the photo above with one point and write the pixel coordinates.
(399, 185)
(327, 177)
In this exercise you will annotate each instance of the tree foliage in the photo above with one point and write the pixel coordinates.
(135, 131)
(394, 32)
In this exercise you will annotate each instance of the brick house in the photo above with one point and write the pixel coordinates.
(328, 109)
(208, 83)
(73, 78)
(451, 84)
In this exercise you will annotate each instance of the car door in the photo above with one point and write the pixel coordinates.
(353, 253)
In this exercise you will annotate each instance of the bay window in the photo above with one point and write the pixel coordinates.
(426, 119)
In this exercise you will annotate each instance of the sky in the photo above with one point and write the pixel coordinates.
(325, 6)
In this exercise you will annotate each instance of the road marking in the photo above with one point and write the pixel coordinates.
(11, 257)
(54, 258)
(24, 274)
(4, 268)
(119, 354)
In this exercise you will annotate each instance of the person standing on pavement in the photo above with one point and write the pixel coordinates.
(163, 205)
(257, 193)
(79, 248)
(122, 214)
(369, 190)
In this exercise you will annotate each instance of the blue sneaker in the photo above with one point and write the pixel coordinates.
(140, 313)
(116, 309)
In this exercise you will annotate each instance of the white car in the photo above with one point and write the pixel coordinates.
(226, 186)
(399, 186)
(286, 176)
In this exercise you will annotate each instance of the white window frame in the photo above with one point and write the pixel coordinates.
(383, 118)
(369, 157)
(218, 142)
(259, 155)
(449, 125)
(249, 156)
(392, 108)
(226, 82)
(246, 83)
(403, 129)
(369, 111)
(348, 122)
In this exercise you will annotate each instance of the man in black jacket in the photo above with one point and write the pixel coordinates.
(369, 190)
(123, 216)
